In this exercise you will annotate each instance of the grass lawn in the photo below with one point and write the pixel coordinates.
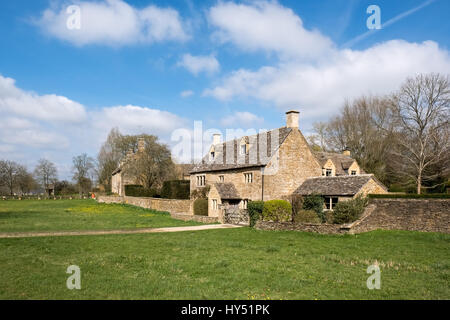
(74, 215)
(228, 264)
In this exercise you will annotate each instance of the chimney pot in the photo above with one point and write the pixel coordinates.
(346, 152)
(216, 138)
(292, 119)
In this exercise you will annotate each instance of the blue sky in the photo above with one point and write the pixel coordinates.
(157, 66)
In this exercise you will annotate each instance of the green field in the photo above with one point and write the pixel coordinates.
(226, 264)
(74, 215)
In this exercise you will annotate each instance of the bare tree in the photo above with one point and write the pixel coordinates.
(365, 127)
(83, 171)
(422, 108)
(9, 174)
(25, 180)
(152, 166)
(109, 157)
(45, 173)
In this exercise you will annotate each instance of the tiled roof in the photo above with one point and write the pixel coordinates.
(261, 141)
(335, 186)
(227, 190)
(341, 161)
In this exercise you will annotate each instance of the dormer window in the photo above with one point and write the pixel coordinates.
(211, 155)
(353, 173)
(243, 149)
(329, 172)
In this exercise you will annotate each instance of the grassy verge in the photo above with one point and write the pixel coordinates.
(228, 264)
(60, 215)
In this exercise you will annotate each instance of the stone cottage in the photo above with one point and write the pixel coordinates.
(274, 165)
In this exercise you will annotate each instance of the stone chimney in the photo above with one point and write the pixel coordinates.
(292, 119)
(141, 145)
(346, 152)
(216, 138)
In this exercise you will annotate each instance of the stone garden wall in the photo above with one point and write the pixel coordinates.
(407, 214)
(168, 205)
(432, 215)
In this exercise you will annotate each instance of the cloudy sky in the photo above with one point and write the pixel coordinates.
(158, 66)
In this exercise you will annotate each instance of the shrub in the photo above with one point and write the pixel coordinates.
(349, 211)
(329, 216)
(277, 210)
(201, 207)
(133, 190)
(296, 201)
(175, 189)
(314, 202)
(255, 209)
(307, 216)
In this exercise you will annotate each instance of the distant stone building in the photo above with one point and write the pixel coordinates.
(120, 178)
(275, 165)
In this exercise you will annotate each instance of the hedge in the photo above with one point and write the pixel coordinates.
(201, 207)
(255, 209)
(277, 210)
(134, 190)
(411, 196)
(176, 189)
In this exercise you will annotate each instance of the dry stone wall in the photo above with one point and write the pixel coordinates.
(169, 205)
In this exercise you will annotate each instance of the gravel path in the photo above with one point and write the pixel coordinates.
(103, 232)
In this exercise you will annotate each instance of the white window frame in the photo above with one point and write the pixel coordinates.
(243, 149)
(330, 171)
(248, 177)
(353, 173)
(215, 204)
(201, 180)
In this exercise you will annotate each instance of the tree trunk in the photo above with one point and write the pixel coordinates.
(419, 184)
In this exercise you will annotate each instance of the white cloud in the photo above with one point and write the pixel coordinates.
(136, 119)
(244, 119)
(43, 107)
(267, 26)
(186, 93)
(34, 126)
(114, 23)
(197, 64)
(311, 74)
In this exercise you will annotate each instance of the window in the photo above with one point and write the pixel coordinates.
(211, 155)
(201, 181)
(215, 206)
(329, 172)
(243, 148)
(248, 177)
(353, 173)
(244, 204)
(221, 178)
(330, 202)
